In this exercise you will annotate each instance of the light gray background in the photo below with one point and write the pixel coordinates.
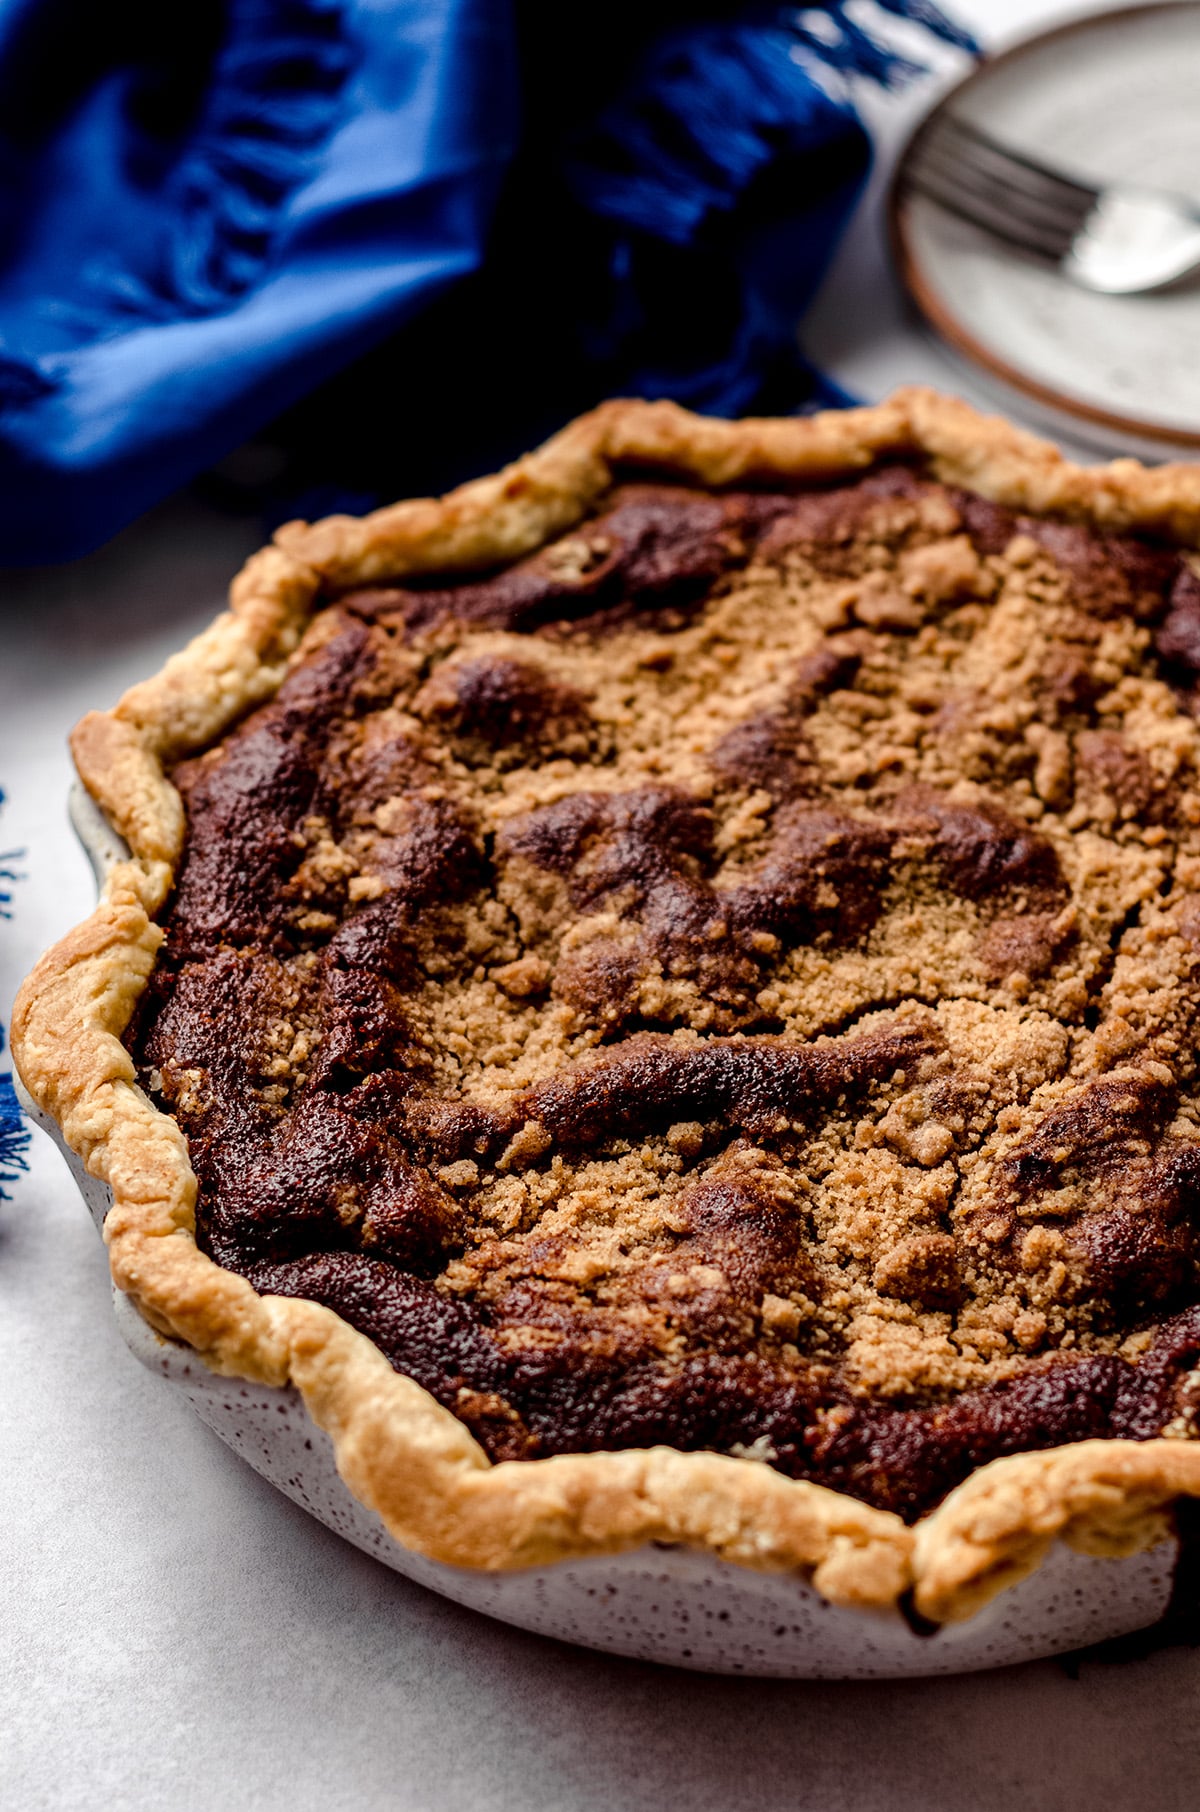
(173, 1632)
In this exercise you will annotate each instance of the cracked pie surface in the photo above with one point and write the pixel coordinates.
(718, 975)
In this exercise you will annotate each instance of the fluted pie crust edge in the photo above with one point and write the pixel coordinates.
(400, 1452)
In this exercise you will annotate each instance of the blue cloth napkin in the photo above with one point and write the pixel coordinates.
(14, 1135)
(208, 210)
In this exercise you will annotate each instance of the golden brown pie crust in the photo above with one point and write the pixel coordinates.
(405, 1456)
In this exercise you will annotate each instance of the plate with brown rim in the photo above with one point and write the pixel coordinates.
(1109, 97)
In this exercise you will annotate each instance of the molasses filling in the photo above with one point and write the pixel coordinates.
(729, 980)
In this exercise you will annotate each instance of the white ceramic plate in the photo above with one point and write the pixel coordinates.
(660, 1603)
(1113, 96)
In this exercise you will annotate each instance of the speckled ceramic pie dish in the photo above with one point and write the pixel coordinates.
(667, 1032)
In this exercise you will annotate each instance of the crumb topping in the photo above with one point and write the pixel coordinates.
(729, 979)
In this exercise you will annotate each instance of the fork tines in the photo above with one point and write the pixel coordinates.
(973, 176)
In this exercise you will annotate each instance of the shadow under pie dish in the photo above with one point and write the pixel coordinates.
(659, 992)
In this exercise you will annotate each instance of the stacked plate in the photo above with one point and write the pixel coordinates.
(1110, 98)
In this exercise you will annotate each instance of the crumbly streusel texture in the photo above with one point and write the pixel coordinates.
(721, 980)
(728, 980)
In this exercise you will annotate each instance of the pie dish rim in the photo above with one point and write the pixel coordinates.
(401, 1453)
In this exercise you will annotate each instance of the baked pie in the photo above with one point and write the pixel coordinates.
(661, 990)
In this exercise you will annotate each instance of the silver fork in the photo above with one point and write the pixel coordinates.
(1120, 239)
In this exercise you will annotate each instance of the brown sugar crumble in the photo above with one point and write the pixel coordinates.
(730, 980)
